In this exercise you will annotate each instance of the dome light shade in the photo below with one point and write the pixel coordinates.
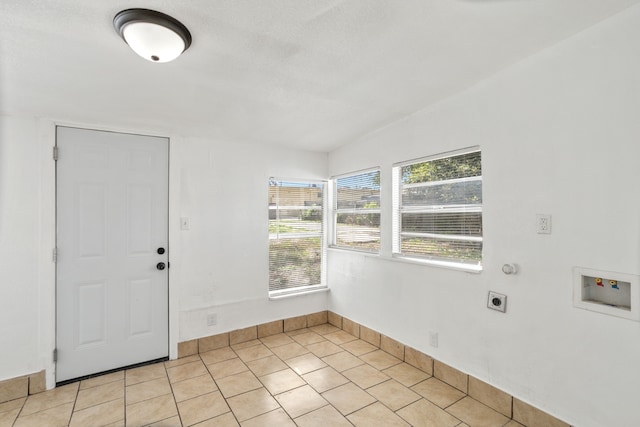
(153, 35)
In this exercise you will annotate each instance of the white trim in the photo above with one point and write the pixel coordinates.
(358, 172)
(442, 182)
(442, 236)
(442, 209)
(454, 153)
(46, 135)
(274, 296)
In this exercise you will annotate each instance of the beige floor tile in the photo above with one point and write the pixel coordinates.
(145, 373)
(182, 361)
(219, 355)
(150, 411)
(50, 399)
(121, 423)
(186, 371)
(324, 329)
(102, 379)
(224, 420)
(438, 392)
(193, 387)
(276, 340)
(226, 368)
(12, 404)
(277, 418)
(8, 417)
(348, 398)
(340, 337)
(300, 401)
(202, 408)
(14, 388)
(253, 353)
(324, 348)
(513, 423)
(99, 415)
(289, 351)
(281, 381)
(418, 359)
(308, 338)
(100, 394)
(342, 361)
(424, 413)
(306, 363)
(295, 332)
(380, 359)
(57, 416)
(451, 376)
(169, 422)
(477, 414)
(325, 379)
(246, 344)
(365, 376)
(147, 390)
(376, 415)
(249, 405)
(266, 365)
(238, 384)
(359, 347)
(323, 417)
(393, 394)
(534, 417)
(406, 374)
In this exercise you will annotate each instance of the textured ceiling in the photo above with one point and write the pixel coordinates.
(311, 74)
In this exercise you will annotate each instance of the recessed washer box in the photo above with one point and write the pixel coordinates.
(607, 292)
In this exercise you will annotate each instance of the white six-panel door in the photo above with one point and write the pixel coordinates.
(112, 219)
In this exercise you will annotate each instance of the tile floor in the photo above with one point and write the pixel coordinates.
(320, 376)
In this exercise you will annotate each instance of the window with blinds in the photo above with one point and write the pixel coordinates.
(438, 209)
(296, 236)
(356, 211)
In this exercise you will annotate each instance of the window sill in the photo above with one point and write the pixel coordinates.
(353, 251)
(476, 269)
(473, 269)
(284, 295)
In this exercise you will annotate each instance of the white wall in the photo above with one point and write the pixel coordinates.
(19, 228)
(219, 266)
(223, 263)
(560, 134)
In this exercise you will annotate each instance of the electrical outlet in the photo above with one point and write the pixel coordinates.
(212, 319)
(543, 223)
(497, 301)
(433, 339)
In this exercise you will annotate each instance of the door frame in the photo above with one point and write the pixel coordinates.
(46, 267)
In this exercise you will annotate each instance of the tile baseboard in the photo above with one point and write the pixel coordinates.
(16, 388)
(496, 399)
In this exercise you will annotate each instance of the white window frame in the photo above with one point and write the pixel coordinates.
(333, 200)
(398, 210)
(319, 287)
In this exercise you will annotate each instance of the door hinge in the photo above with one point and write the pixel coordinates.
(55, 153)
(55, 255)
(55, 354)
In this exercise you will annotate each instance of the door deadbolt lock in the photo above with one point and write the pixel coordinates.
(160, 251)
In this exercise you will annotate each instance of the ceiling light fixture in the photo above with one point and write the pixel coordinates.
(153, 35)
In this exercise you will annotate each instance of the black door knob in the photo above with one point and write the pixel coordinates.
(160, 251)
(160, 266)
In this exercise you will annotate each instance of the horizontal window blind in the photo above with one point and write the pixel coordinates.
(438, 208)
(296, 243)
(357, 211)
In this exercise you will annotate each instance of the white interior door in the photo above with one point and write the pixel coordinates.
(112, 233)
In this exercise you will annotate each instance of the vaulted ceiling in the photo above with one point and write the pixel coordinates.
(310, 74)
